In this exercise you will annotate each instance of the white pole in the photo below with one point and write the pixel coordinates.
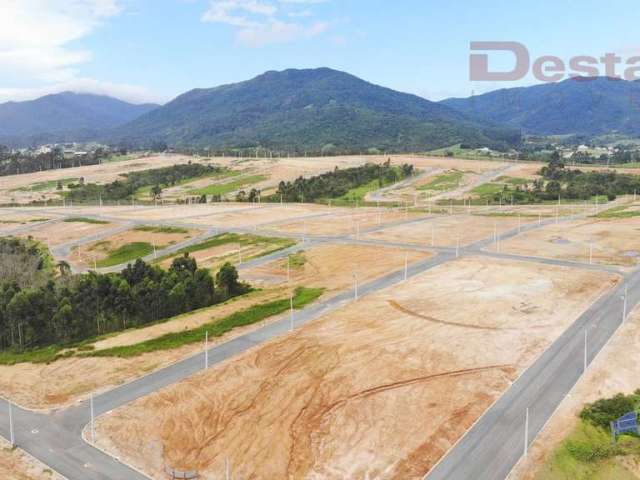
(458, 247)
(206, 350)
(590, 253)
(585, 352)
(239, 255)
(355, 279)
(12, 439)
(624, 305)
(227, 469)
(519, 222)
(93, 429)
(539, 218)
(288, 268)
(406, 265)
(155, 253)
(526, 432)
(291, 312)
(433, 236)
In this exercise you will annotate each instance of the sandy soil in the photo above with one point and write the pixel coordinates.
(85, 254)
(332, 266)
(104, 173)
(257, 215)
(614, 241)
(347, 222)
(381, 387)
(613, 371)
(59, 233)
(17, 465)
(447, 230)
(55, 385)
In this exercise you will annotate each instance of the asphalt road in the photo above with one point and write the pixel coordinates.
(488, 451)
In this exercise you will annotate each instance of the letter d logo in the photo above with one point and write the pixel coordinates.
(479, 63)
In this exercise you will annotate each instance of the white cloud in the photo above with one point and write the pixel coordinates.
(261, 22)
(128, 93)
(36, 52)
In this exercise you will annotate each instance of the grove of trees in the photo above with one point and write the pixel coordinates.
(58, 309)
(338, 182)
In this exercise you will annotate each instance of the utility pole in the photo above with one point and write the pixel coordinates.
(624, 305)
(526, 432)
(406, 266)
(93, 428)
(355, 279)
(291, 312)
(206, 350)
(288, 268)
(585, 352)
(12, 439)
(590, 253)
(458, 246)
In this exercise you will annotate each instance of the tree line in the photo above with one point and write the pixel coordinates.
(572, 184)
(15, 162)
(156, 178)
(338, 182)
(63, 309)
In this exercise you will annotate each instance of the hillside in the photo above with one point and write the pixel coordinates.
(589, 108)
(64, 117)
(307, 110)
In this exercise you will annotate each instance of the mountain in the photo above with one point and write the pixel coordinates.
(308, 110)
(584, 107)
(64, 117)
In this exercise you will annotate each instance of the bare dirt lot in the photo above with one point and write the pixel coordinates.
(613, 371)
(614, 241)
(447, 230)
(17, 465)
(332, 266)
(347, 221)
(381, 387)
(85, 254)
(59, 233)
(60, 383)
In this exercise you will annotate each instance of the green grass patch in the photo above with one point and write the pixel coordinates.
(513, 180)
(295, 260)
(48, 185)
(85, 220)
(488, 189)
(444, 182)
(588, 454)
(216, 328)
(228, 187)
(145, 192)
(618, 212)
(275, 243)
(126, 253)
(160, 229)
(40, 355)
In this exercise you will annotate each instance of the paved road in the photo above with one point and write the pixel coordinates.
(489, 450)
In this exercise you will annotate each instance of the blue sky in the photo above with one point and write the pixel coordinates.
(153, 50)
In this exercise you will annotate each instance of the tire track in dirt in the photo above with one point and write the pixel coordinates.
(298, 461)
(405, 310)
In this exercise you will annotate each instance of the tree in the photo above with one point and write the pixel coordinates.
(227, 278)
(64, 268)
(156, 191)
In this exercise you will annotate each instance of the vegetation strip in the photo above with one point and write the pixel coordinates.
(216, 328)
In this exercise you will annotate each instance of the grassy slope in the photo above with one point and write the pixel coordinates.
(446, 181)
(228, 187)
(215, 328)
(126, 253)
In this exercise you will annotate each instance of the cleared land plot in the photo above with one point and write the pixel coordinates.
(615, 241)
(382, 387)
(17, 465)
(61, 232)
(447, 230)
(129, 245)
(332, 266)
(613, 371)
(11, 222)
(60, 383)
(346, 222)
(252, 215)
(230, 247)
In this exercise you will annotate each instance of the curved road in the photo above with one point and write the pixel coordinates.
(488, 451)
